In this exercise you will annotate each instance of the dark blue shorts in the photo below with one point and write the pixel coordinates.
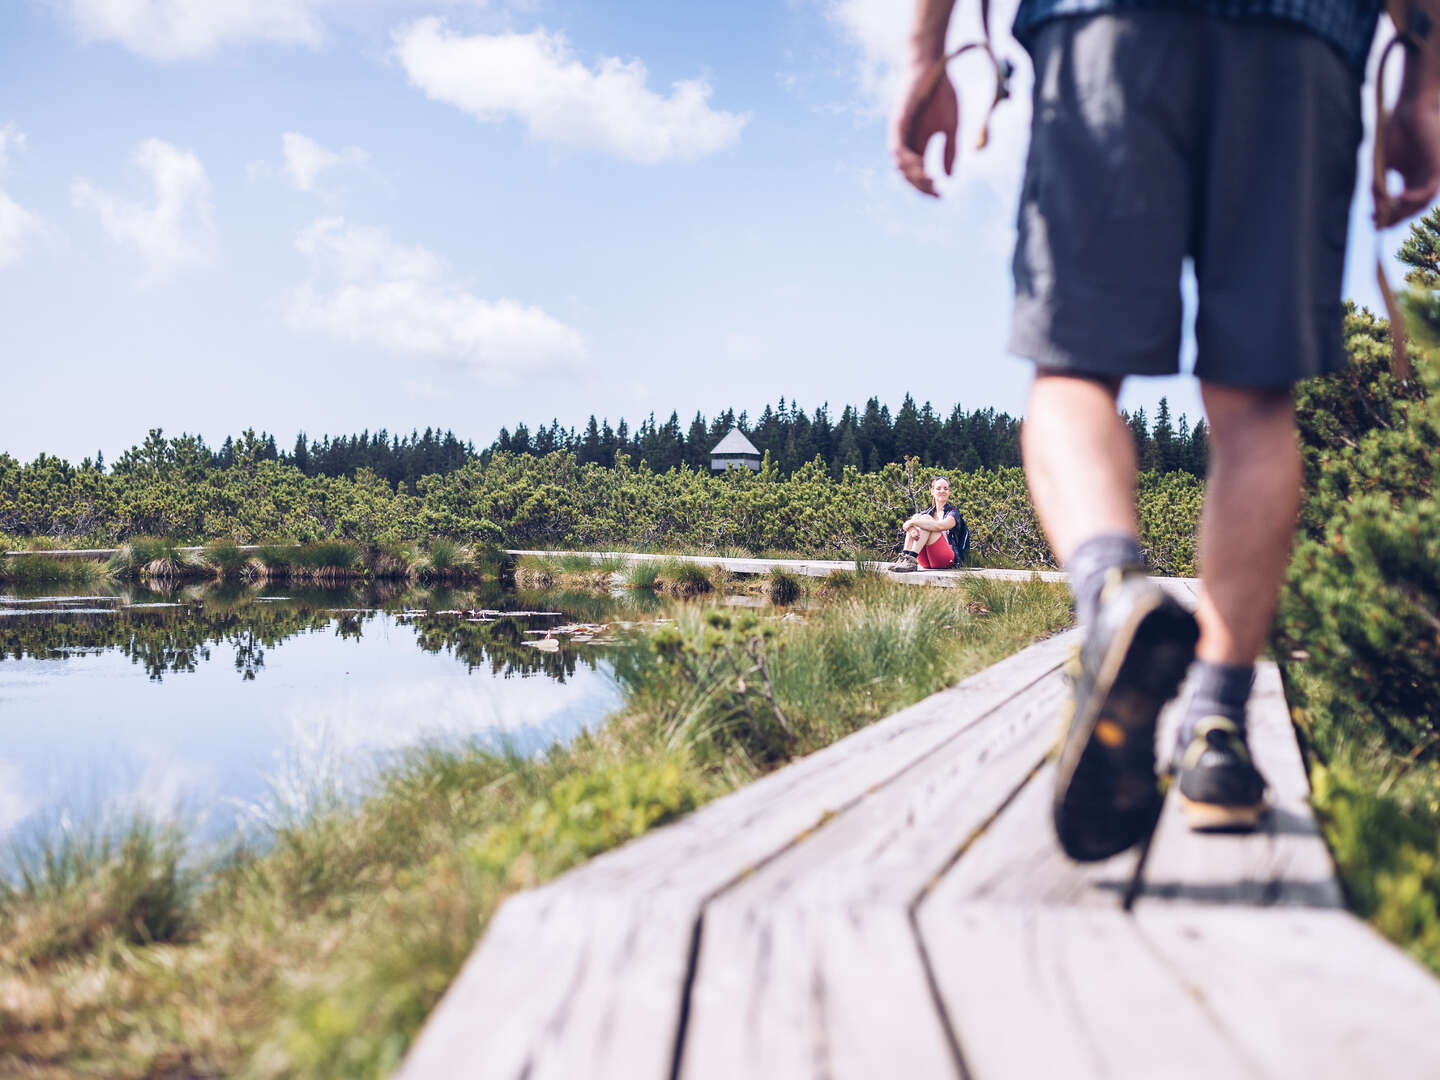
(1159, 136)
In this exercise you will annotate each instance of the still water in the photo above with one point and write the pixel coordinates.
(228, 706)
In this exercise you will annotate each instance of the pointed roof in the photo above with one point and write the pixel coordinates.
(735, 443)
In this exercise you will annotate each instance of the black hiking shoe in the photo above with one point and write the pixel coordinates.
(905, 564)
(1107, 796)
(1220, 788)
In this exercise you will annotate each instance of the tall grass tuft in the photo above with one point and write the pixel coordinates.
(536, 572)
(641, 574)
(226, 559)
(782, 586)
(73, 888)
(275, 560)
(157, 560)
(394, 561)
(324, 562)
(446, 561)
(338, 559)
(679, 577)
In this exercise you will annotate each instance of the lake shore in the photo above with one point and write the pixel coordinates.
(322, 955)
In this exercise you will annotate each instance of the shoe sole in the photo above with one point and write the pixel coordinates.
(1215, 817)
(1131, 688)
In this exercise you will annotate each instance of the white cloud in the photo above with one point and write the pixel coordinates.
(537, 78)
(878, 30)
(17, 225)
(306, 159)
(177, 29)
(178, 230)
(373, 291)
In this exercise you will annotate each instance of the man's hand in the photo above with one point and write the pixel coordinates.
(1412, 139)
(929, 108)
(1412, 148)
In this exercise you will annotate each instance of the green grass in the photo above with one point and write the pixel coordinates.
(783, 587)
(47, 570)
(680, 577)
(1380, 812)
(319, 950)
(334, 556)
(75, 890)
(226, 558)
(641, 574)
(156, 559)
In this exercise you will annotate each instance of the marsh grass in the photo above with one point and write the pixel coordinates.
(678, 577)
(73, 889)
(782, 586)
(317, 948)
(157, 560)
(444, 561)
(535, 572)
(47, 570)
(567, 570)
(394, 561)
(226, 559)
(641, 574)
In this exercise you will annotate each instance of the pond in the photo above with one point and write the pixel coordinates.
(227, 706)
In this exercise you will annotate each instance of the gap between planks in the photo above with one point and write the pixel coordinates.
(587, 976)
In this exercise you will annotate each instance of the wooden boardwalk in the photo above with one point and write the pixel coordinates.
(826, 567)
(895, 906)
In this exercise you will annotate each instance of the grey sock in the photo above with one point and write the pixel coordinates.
(1219, 690)
(1089, 563)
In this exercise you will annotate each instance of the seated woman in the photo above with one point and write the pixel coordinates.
(934, 537)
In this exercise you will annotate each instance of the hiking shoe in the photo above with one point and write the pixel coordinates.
(1107, 796)
(905, 564)
(1220, 788)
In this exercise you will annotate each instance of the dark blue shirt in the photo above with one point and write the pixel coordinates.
(1348, 25)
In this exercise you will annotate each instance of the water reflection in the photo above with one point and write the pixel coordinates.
(169, 634)
(218, 697)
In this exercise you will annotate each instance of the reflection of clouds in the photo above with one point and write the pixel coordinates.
(441, 708)
(165, 783)
(14, 805)
(337, 743)
(95, 741)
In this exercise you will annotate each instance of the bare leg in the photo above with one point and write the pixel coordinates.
(1252, 498)
(918, 539)
(1079, 460)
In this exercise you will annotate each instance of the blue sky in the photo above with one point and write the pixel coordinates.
(332, 215)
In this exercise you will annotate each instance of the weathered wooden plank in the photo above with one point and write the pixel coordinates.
(1303, 993)
(1073, 992)
(1018, 861)
(829, 990)
(635, 909)
(816, 938)
(565, 984)
(1285, 861)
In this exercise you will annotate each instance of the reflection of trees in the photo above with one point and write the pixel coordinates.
(163, 640)
(174, 640)
(500, 645)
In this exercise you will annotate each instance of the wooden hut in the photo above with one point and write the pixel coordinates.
(734, 451)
